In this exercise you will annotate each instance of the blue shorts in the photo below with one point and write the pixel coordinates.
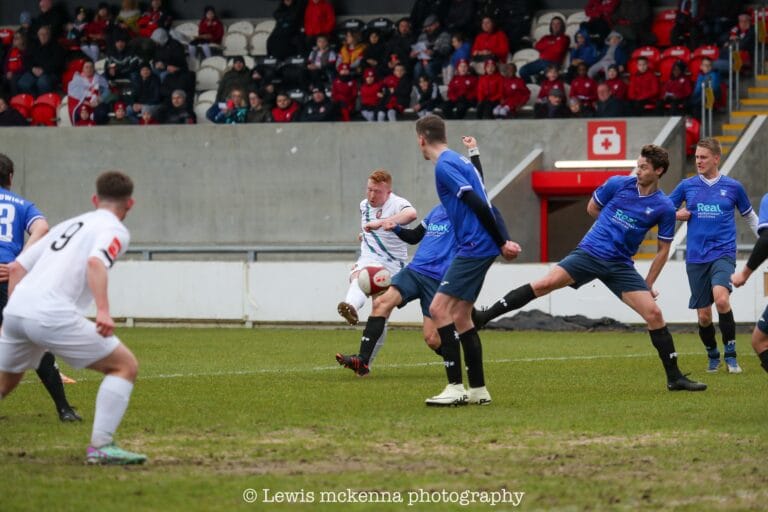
(702, 277)
(413, 285)
(616, 275)
(465, 277)
(762, 322)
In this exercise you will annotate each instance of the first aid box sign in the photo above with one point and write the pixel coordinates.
(607, 140)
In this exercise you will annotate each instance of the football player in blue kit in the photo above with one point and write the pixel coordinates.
(625, 208)
(758, 256)
(480, 241)
(710, 258)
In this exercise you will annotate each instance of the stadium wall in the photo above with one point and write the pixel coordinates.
(244, 293)
(285, 184)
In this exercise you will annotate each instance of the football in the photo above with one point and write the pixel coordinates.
(374, 280)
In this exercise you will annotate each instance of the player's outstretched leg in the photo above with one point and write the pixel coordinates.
(728, 331)
(374, 328)
(513, 300)
(707, 334)
(49, 376)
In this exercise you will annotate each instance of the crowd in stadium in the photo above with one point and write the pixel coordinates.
(452, 57)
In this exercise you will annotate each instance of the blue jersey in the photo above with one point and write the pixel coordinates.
(625, 217)
(712, 227)
(454, 176)
(763, 216)
(437, 248)
(16, 216)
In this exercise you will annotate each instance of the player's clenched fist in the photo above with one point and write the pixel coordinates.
(510, 250)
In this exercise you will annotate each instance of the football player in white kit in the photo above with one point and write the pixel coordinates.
(377, 246)
(50, 286)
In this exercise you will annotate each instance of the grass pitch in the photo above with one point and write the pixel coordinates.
(578, 422)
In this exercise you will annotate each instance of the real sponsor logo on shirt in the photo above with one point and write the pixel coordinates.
(704, 210)
(625, 220)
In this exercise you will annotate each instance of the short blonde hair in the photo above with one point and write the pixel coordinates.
(712, 144)
(381, 176)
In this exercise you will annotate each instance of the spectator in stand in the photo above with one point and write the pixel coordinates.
(583, 87)
(676, 92)
(643, 89)
(490, 90)
(400, 43)
(423, 9)
(147, 118)
(371, 97)
(579, 109)
(25, 25)
(13, 63)
(128, 16)
(617, 84)
(177, 77)
(462, 50)
(514, 17)
(126, 62)
(554, 107)
(51, 16)
(552, 81)
(396, 93)
(515, 94)
(632, 19)
(232, 111)
(462, 92)
(167, 50)
(286, 110)
(344, 93)
(460, 16)
(44, 65)
(352, 52)
(707, 76)
(84, 116)
(319, 19)
(257, 111)
(607, 105)
(742, 34)
(75, 29)
(236, 77)
(490, 43)
(613, 54)
(286, 39)
(319, 108)
(552, 49)
(375, 54)
(714, 18)
(582, 52)
(9, 116)
(154, 18)
(91, 89)
(431, 50)
(600, 14)
(146, 92)
(121, 116)
(178, 112)
(95, 33)
(209, 31)
(321, 63)
(427, 97)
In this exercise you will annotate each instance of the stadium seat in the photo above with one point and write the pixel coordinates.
(250, 62)
(540, 31)
(265, 26)
(6, 36)
(677, 52)
(235, 43)
(189, 30)
(207, 96)
(577, 18)
(710, 51)
(662, 27)
(649, 52)
(545, 18)
(43, 114)
(215, 62)
(51, 99)
(207, 78)
(522, 57)
(258, 44)
(528, 107)
(244, 27)
(571, 29)
(73, 66)
(201, 108)
(23, 104)
(384, 25)
(63, 119)
(297, 95)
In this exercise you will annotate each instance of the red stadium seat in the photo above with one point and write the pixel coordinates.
(73, 66)
(649, 52)
(662, 27)
(50, 99)
(666, 64)
(43, 114)
(23, 103)
(692, 134)
(711, 51)
(677, 52)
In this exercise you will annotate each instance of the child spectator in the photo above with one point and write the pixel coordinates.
(706, 76)
(257, 111)
(643, 88)
(428, 96)
(344, 93)
(397, 93)
(95, 32)
(153, 19)
(552, 49)
(84, 116)
(76, 28)
(582, 52)
(613, 54)
(147, 118)
(490, 87)
(551, 83)
(321, 62)
(462, 50)
(371, 95)
(554, 106)
(13, 65)
(490, 43)
(352, 52)
(120, 117)
(515, 94)
(128, 16)
(462, 92)
(210, 31)
(583, 87)
(318, 109)
(286, 110)
(676, 92)
(617, 84)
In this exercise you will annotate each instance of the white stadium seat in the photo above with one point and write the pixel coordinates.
(526, 54)
(265, 26)
(207, 96)
(259, 43)
(528, 107)
(577, 18)
(216, 62)
(188, 29)
(100, 66)
(242, 26)
(540, 31)
(200, 109)
(235, 43)
(545, 18)
(207, 78)
(62, 117)
(570, 30)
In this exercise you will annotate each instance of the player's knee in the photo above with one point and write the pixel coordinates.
(654, 316)
(723, 304)
(705, 316)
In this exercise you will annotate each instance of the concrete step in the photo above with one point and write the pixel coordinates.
(733, 128)
(727, 139)
(757, 92)
(742, 116)
(754, 102)
(761, 80)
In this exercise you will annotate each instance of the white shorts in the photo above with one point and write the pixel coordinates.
(23, 342)
(393, 266)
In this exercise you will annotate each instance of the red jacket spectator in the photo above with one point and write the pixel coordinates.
(618, 88)
(601, 9)
(549, 85)
(462, 87)
(369, 95)
(153, 19)
(14, 61)
(677, 88)
(287, 114)
(490, 87)
(344, 92)
(212, 27)
(643, 86)
(552, 48)
(515, 93)
(584, 88)
(494, 42)
(319, 18)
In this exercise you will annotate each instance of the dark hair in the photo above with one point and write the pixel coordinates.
(114, 185)
(6, 170)
(657, 156)
(432, 128)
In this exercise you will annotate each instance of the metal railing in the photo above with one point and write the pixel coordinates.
(707, 107)
(758, 23)
(251, 252)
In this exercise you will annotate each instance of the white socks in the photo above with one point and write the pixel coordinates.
(379, 344)
(111, 403)
(355, 295)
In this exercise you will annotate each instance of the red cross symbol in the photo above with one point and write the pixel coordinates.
(606, 144)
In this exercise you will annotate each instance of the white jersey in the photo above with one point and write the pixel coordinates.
(381, 245)
(56, 283)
